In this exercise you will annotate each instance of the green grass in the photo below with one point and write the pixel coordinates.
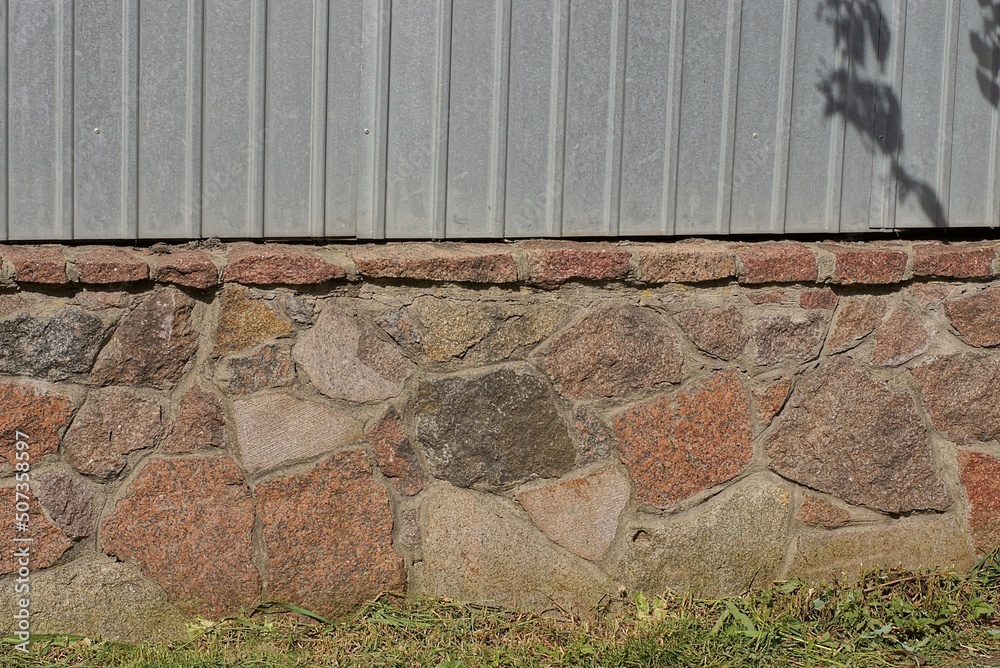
(887, 618)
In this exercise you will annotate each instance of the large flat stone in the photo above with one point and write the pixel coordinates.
(903, 337)
(329, 536)
(48, 542)
(474, 549)
(960, 394)
(846, 433)
(492, 430)
(675, 448)
(718, 331)
(977, 317)
(857, 317)
(54, 347)
(980, 475)
(200, 423)
(244, 322)
(734, 541)
(36, 412)
(797, 337)
(614, 351)
(187, 523)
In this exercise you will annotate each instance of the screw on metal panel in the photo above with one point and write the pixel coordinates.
(367, 131)
(97, 131)
(756, 136)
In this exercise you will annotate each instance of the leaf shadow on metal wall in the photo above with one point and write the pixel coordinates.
(986, 48)
(861, 36)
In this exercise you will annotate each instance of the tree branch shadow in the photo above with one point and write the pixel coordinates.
(986, 48)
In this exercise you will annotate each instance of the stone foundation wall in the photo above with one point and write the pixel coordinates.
(543, 424)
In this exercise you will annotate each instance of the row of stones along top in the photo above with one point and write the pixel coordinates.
(544, 264)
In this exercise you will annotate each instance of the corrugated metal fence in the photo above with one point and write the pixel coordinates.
(495, 118)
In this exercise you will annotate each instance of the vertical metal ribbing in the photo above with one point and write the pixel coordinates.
(257, 139)
(558, 95)
(674, 89)
(616, 118)
(439, 178)
(501, 125)
(949, 84)
(4, 112)
(783, 132)
(64, 118)
(730, 87)
(316, 215)
(375, 61)
(194, 94)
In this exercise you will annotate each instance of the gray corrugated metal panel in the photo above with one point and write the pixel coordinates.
(537, 118)
(231, 194)
(40, 120)
(477, 119)
(170, 67)
(3, 120)
(417, 151)
(374, 101)
(343, 117)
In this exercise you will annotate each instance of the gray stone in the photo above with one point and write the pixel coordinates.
(735, 541)
(717, 331)
(793, 337)
(846, 433)
(345, 359)
(65, 343)
(475, 549)
(960, 393)
(69, 501)
(101, 599)
(492, 430)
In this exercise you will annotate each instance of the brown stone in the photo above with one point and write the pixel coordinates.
(857, 317)
(903, 337)
(244, 322)
(450, 327)
(69, 500)
(200, 423)
(769, 296)
(152, 345)
(100, 301)
(818, 512)
(187, 523)
(822, 299)
(912, 544)
(844, 432)
(47, 544)
(676, 448)
(345, 358)
(460, 263)
(797, 337)
(926, 294)
(37, 414)
(37, 264)
(328, 534)
(596, 439)
(551, 263)
(768, 401)
(253, 264)
(867, 265)
(953, 260)
(960, 394)
(683, 263)
(191, 269)
(270, 366)
(105, 265)
(977, 317)
(581, 514)
(394, 453)
(273, 429)
(409, 529)
(114, 422)
(777, 262)
(614, 351)
(718, 331)
(12, 304)
(980, 475)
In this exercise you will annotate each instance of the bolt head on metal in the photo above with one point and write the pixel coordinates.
(756, 136)
(97, 131)
(367, 131)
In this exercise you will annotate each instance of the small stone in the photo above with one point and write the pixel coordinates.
(768, 401)
(409, 529)
(551, 263)
(926, 294)
(200, 423)
(980, 475)
(737, 542)
(328, 534)
(47, 544)
(911, 544)
(345, 359)
(37, 264)
(297, 308)
(174, 521)
(400, 327)
(152, 345)
(844, 432)
(977, 317)
(777, 262)
(581, 514)
(475, 549)
(12, 304)
(683, 263)
(69, 500)
(857, 317)
(674, 449)
(596, 438)
(717, 331)
(273, 264)
(492, 430)
(612, 352)
(192, 269)
(394, 453)
(818, 512)
(459, 263)
(451, 327)
(114, 422)
(109, 265)
(822, 299)
(796, 337)
(903, 337)
(54, 347)
(954, 260)
(960, 394)
(272, 429)
(39, 414)
(867, 265)
(771, 296)
(244, 322)
(100, 301)
(270, 366)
